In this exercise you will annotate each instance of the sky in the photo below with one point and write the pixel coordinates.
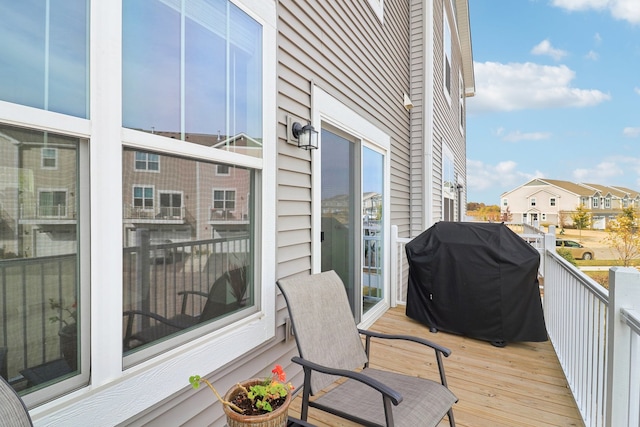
(557, 94)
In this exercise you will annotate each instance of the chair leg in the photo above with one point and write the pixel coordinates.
(388, 412)
(306, 387)
(452, 422)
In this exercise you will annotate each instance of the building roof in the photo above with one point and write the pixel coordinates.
(581, 189)
(464, 32)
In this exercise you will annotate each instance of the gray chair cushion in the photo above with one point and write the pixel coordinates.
(424, 402)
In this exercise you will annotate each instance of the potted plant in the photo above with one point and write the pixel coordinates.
(68, 330)
(256, 402)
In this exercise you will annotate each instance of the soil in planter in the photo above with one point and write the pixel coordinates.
(243, 402)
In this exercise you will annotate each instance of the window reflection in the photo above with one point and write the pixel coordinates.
(200, 83)
(38, 257)
(44, 60)
(188, 246)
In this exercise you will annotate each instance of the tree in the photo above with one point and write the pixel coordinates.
(581, 218)
(623, 235)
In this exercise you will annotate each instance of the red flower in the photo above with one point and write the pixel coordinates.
(278, 372)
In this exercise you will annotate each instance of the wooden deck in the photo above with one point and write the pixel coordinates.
(521, 384)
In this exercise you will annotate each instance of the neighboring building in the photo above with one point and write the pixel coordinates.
(146, 153)
(553, 202)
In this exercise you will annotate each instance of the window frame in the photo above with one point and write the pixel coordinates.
(552, 201)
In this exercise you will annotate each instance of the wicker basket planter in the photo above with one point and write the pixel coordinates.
(276, 418)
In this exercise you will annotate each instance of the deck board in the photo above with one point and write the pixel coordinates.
(521, 384)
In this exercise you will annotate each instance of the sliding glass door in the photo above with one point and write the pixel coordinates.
(352, 226)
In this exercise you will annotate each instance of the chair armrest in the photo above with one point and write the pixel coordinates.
(369, 334)
(185, 294)
(395, 397)
(131, 314)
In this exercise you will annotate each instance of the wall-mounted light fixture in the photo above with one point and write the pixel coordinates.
(305, 135)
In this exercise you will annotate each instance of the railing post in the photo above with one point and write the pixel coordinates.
(393, 285)
(548, 245)
(624, 292)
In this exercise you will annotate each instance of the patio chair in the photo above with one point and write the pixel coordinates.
(13, 412)
(214, 306)
(329, 342)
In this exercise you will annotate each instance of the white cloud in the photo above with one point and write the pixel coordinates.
(519, 86)
(628, 10)
(600, 173)
(592, 55)
(637, 90)
(504, 175)
(631, 132)
(531, 136)
(545, 48)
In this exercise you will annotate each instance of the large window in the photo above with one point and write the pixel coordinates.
(192, 70)
(185, 271)
(44, 55)
(39, 262)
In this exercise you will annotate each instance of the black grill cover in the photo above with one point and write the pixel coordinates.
(475, 279)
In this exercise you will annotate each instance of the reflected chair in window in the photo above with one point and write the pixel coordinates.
(330, 348)
(215, 306)
(13, 412)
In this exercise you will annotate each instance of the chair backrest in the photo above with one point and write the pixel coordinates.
(13, 412)
(216, 304)
(324, 328)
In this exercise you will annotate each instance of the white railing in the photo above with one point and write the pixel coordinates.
(596, 335)
(399, 268)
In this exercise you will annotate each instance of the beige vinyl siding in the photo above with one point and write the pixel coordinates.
(446, 113)
(344, 49)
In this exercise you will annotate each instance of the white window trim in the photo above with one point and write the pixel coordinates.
(112, 395)
(378, 8)
(225, 189)
(133, 196)
(326, 108)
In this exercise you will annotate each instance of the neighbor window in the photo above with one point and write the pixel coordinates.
(39, 260)
(49, 158)
(52, 203)
(552, 201)
(147, 162)
(532, 201)
(505, 202)
(193, 73)
(44, 55)
(595, 202)
(607, 203)
(143, 197)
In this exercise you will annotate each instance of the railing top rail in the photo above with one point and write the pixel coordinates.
(595, 288)
(632, 318)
